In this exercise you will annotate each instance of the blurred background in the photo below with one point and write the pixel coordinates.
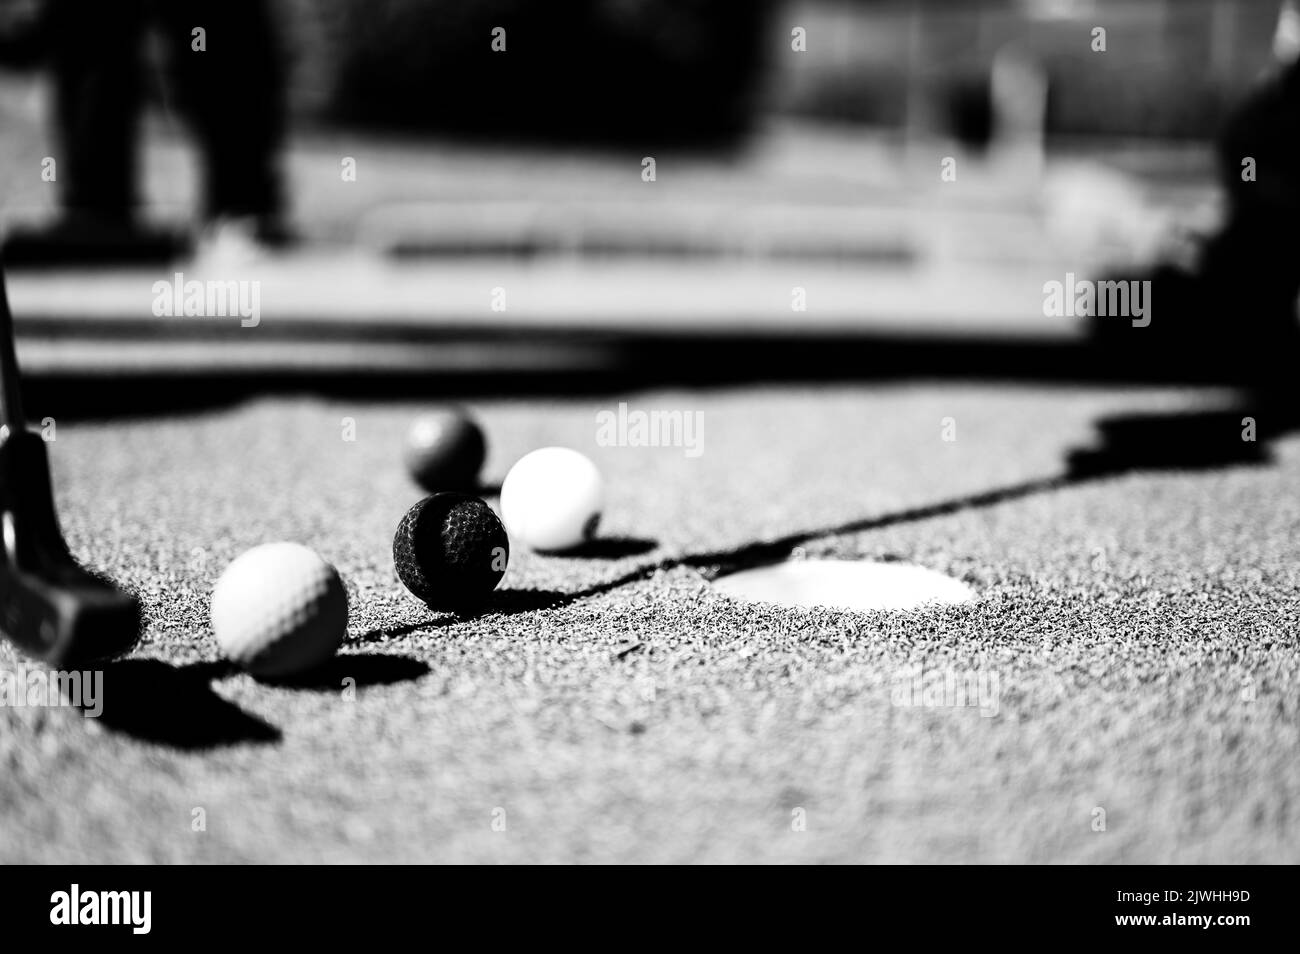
(795, 144)
(705, 70)
(820, 231)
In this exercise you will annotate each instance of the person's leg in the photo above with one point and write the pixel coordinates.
(24, 37)
(233, 93)
(95, 50)
(1234, 314)
(1255, 253)
(1250, 271)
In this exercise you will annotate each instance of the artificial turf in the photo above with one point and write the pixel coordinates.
(1142, 625)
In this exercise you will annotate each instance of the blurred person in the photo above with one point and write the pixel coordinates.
(19, 33)
(1233, 312)
(228, 81)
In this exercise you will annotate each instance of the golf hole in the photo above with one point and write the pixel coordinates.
(844, 584)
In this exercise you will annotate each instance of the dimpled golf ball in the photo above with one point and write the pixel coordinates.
(451, 551)
(551, 499)
(279, 610)
(445, 451)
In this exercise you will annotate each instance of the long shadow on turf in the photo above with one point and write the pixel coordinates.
(723, 562)
(1183, 441)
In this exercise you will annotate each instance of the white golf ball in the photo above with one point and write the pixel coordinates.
(279, 609)
(551, 499)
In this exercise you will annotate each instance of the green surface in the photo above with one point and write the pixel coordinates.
(656, 721)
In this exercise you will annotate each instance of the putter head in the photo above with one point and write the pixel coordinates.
(50, 606)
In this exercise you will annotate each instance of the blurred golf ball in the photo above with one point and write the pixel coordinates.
(279, 610)
(551, 499)
(445, 451)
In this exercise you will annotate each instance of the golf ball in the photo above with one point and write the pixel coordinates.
(445, 451)
(552, 498)
(451, 551)
(279, 610)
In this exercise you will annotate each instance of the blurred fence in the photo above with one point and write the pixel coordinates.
(1171, 68)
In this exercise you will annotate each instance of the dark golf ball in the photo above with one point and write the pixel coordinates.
(445, 451)
(451, 551)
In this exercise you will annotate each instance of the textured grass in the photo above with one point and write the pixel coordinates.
(1142, 628)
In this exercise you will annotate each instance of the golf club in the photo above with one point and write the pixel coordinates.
(50, 606)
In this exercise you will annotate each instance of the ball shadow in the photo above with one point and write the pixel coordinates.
(610, 548)
(483, 490)
(502, 602)
(364, 669)
(510, 602)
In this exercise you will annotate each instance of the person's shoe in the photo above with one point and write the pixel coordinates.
(85, 240)
(242, 240)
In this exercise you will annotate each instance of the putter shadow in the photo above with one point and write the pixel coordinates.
(175, 706)
(611, 548)
(365, 669)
